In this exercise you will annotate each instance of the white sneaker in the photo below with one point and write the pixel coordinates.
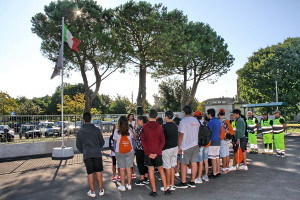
(271, 151)
(189, 171)
(162, 188)
(205, 178)
(128, 187)
(232, 168)
(91, 194)
(172, 187)
(198, 180)
(266, 150)
(177, 174)
(101, 192)
(244, 167)
(122, 188)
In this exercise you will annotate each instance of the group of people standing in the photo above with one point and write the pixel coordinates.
(171, 147)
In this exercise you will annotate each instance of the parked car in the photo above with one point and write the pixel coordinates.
(49, 129)
(29, 131)
(69, 127)
(6, 133)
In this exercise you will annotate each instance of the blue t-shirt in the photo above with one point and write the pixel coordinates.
(215, 126)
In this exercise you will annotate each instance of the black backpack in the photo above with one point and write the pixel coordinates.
(204, 135)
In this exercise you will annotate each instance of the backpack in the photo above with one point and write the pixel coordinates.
(204, 135)
(124, 145)
(111, 143)
(227, 131)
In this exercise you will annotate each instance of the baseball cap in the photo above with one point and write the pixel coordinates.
(198, 113)
(277, 111)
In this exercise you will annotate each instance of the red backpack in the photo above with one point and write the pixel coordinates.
(124, 145)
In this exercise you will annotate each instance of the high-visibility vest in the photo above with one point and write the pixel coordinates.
(233, 124)
(251, 125)
(266, 126)
(277, 126)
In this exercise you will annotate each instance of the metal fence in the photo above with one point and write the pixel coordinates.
(37, 128)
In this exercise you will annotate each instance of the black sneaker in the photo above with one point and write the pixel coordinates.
(278, 154)
(191, 184)
(282, 155)
(140, 182)
(146, 181)
(168, 192)
(181, 185)
(153, 194)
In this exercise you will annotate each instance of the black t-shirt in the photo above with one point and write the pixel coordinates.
(171, 135)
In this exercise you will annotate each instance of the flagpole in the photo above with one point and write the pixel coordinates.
(62, 82)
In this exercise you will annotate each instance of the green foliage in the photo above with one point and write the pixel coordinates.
(138, 28)
(104, 103)
(28, 108)
(170, 95)
(43, 103)
(73, 105)
(118, 105)
(279, 63)
(7, 104)
(98, 50)
(197, 53)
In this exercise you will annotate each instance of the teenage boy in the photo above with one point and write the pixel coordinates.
(188, 146)
(170, 150)
(153, 141)
(240, 140)
(214, 125)
(90, 141)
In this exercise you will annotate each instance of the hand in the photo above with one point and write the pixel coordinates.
(152, 156)
(179, 151)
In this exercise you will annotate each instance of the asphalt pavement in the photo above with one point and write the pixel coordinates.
(268, 177)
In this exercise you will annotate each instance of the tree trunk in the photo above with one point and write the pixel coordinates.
(184, 88)
(141, 97)
(193, 93)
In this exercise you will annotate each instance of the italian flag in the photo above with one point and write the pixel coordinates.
(72, 42)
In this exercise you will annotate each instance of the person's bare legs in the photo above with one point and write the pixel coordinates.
(218, 165)
(152, 178)
(91, 182)
(99, 180)
(168, 177)
(200, 169)
(214, 166)
(163, 177)
(206, 167)
(194, 171)
(122, 175)
(172, 181)
(227, 161)
(245, 158)
(129, 177)
(183, 169)
(224, 162)
(114, 170)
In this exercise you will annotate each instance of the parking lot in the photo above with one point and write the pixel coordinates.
(268, 177)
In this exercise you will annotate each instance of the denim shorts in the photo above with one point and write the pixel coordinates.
(224, 148)
(203, 154)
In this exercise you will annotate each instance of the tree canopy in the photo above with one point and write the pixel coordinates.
(197, 53)
(279, 63)
(98, 52)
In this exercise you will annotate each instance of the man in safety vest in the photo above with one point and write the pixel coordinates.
(267, 131)
(278, 131)
(252, 124)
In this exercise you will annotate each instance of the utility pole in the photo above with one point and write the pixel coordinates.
(276, 93)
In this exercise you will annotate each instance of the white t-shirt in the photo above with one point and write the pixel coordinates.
(117, 137)
(132, 123)
(189, 126)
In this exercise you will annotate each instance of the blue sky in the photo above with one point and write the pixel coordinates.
(246, 26)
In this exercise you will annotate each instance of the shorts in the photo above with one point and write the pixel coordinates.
(125, 160)
(114, 161)
(243, 144)
(156, 162)
(213, 152)
(93, 165)
(224, 148)
(203, 154)
(169, 157)
(190, 155)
